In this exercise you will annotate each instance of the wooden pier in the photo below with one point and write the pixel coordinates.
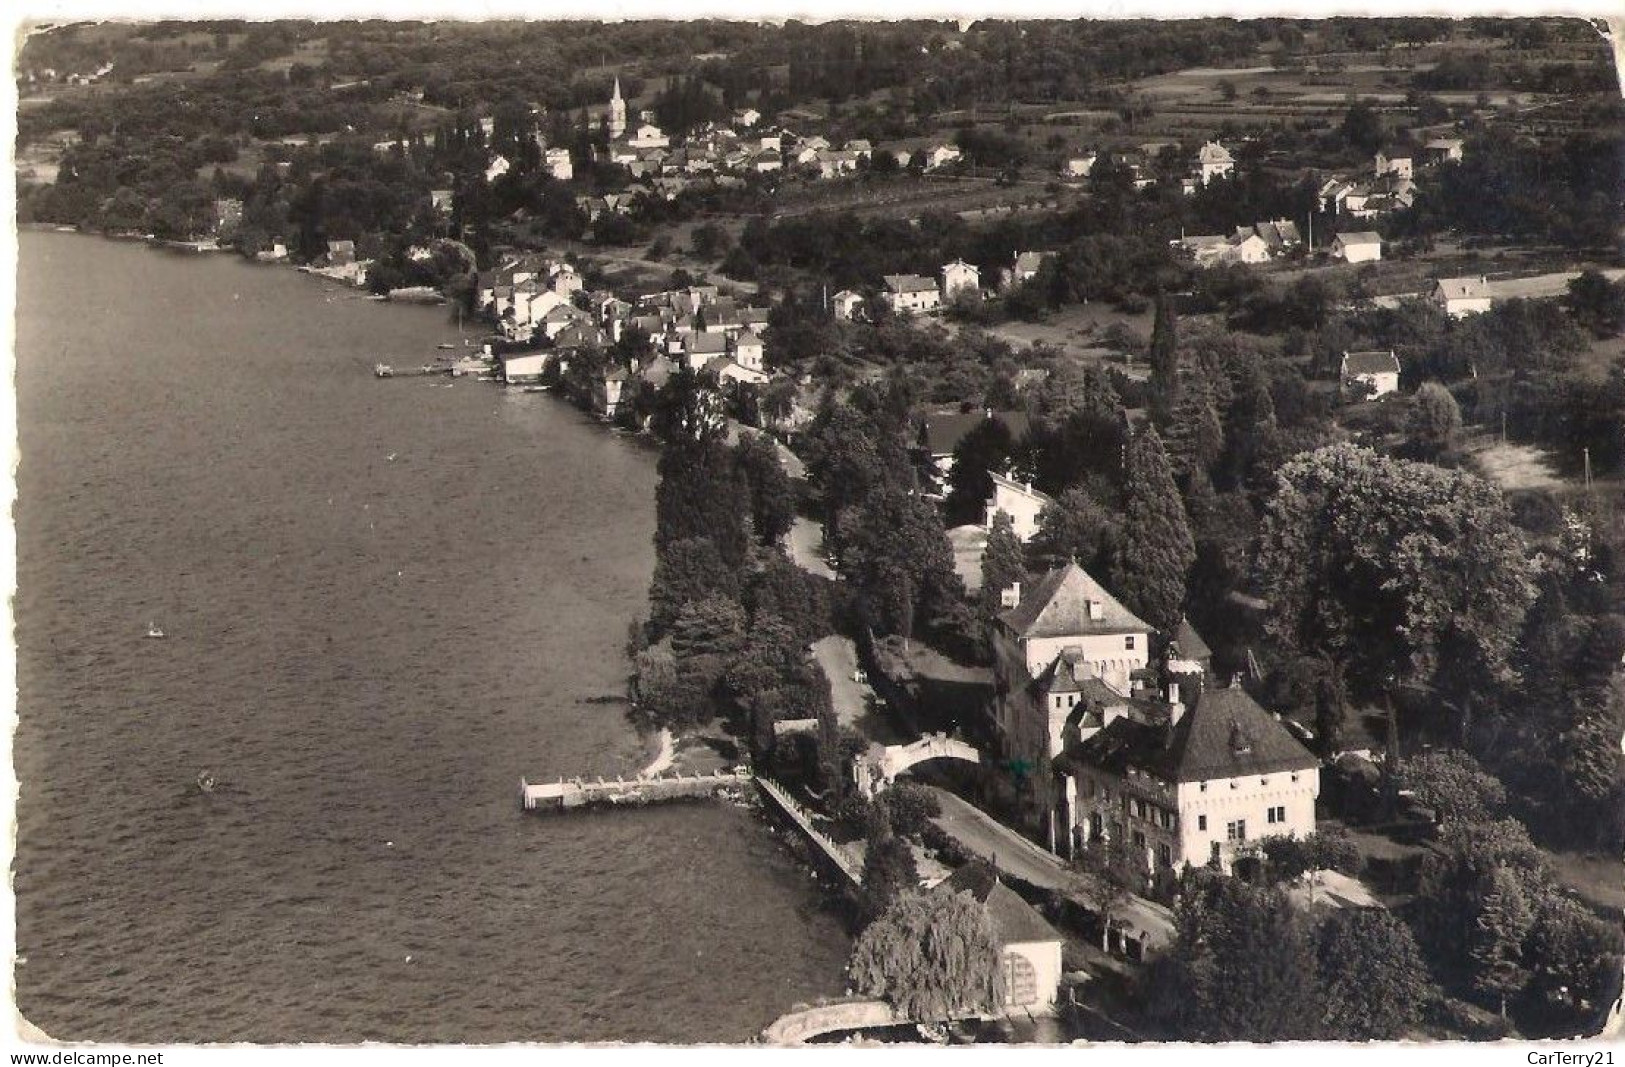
(574, 794)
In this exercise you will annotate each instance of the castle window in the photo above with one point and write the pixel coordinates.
(1201, 822)
(1128, 642)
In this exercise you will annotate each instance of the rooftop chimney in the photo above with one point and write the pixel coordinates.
(1011, 597)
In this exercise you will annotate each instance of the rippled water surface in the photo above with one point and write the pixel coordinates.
(368, 653)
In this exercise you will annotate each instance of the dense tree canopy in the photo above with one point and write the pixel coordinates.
(1391, 567)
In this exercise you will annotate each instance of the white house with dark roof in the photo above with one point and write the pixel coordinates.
(1066, 622)
(1360, 246)
(1442, 150)
(960, 277)
(747, 350)
(1203, 784)
(1020, 501)
(909, 293)
(1460, 297)
(1373, 373)
(1213, 160)
(1398, 164)
(845, 304)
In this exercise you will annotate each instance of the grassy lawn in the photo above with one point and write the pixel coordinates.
(1514, 466)
(1601, 881)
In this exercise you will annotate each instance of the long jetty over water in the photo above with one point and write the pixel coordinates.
(573, 794)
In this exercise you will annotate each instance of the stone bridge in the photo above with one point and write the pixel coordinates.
(875, 770)
(804, 1024)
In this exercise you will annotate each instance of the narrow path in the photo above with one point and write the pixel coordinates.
(663, 758)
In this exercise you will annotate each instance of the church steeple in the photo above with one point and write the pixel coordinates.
(617, 111)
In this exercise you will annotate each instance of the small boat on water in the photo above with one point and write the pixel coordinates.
(445, 344)
(535, 389)
(383, 370)
(153, 630)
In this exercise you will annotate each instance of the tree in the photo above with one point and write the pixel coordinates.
(1362, 128)
(1373, 980)
(889, 869)
(1075, 527)
(1331, 709)
(702, 493)
(1164, 357)
(1496, 948)
(896, 555)
(1108, 873)
(772, 496)
(985, 449)
(705, 637)
(1003, 562)
(1597, 303)
(1155, 553)
(1454, 785)
(933, 956)
(1242, 966)
(1392, 568)
(1434, 419)
(1455, 872)
(685, 571)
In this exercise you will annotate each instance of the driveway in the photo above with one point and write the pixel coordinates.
(1013, 854)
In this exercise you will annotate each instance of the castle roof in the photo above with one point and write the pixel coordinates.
(1060, 607)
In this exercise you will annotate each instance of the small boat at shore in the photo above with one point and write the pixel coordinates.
(154, 631)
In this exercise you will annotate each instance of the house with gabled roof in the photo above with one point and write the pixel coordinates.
(1020, 501)
(1442, 150)
(1029, 947)
(845, 304)
(1460, 297)
(906, 294)
(1372, 374)
(960, 277)
(1359, 246)
(1202, 785)
(1213, 160)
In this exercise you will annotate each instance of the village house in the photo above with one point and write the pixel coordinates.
(1361, 246)
(908, 293)
(1442, 150)
(1204, 785)
(701, 348)
(440, 201)
(747, 117)
(499, 166)
(648, 135)
(845, 304)
(1398, 164)
(747, 350)
(960, 277)
(1372, 374)
(524, 366)
(1020, 501)
(1213, 160)
(1029, 947)
(558, 164)
(1024, 267)
(340, 253)
(1460, 297)
(1078, 166)
(609, 389)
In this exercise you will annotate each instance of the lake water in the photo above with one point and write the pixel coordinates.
(368, 653)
